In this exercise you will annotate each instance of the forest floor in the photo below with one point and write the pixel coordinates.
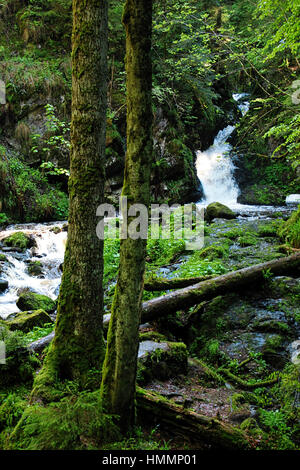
(233, 358)
(241, 339)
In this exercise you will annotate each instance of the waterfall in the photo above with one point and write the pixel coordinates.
(215, 168)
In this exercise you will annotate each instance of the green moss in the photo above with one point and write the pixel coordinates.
(11, 410)
(249, 424)
(152, 336)
(20, 364)
(246, 240)
(233, 233)
(218, 210)
(290, 230)
(163, 363)
(273, 343)
(26, 321)
(3, 258)
(272, 326)
(32, 301)
(35, 268)
(74, 423)
(269, 230)
(19, 240)
(214, 251)
(236, 400)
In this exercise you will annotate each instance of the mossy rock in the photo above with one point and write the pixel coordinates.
(273, 343)
(26, 321)
(161, 360)
(3, 258)
(249, 424)
(290, 230)
(272, 326)
(246, 240)
(55, 230)
(267, 231)
(152, 336)
(216, 210)
(214, 251)
(32, 301)
(35, 268)
(19, 240)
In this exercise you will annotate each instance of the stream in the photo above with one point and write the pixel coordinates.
(215, 170)
(49, 251)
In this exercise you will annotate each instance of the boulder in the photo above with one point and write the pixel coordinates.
(32, 301)
(216, 210)
(3, 285)
(161, 360)
(35, 268)
(19, 240)
(26, 321)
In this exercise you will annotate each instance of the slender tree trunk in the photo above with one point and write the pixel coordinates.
(78, 343)
(119, 371)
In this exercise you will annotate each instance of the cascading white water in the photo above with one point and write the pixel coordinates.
(215, 168)
(49, 251)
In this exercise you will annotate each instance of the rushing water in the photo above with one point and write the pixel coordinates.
(49, 250)
(215, 168)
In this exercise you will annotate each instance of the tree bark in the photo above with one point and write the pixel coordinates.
(78, 345)
(119, 370)
(189, 424)
(189, 296)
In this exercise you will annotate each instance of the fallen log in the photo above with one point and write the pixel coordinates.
(40, 344)
(187, 423)
(207, 290)
(152, 285)
(247, 385)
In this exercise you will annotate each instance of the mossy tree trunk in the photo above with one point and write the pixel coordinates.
(119, 371)
(78, 345)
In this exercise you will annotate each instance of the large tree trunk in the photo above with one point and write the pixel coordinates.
(78, 344)
(119, 371)
(206, 290)
(206, 431)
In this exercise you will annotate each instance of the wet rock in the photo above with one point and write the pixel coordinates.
(13, 249)
(55, 229)
(3, 285)
(216, 210)
(32, 301)
(161, 360)
(35, 268)
(295, 352)
(271, 326)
